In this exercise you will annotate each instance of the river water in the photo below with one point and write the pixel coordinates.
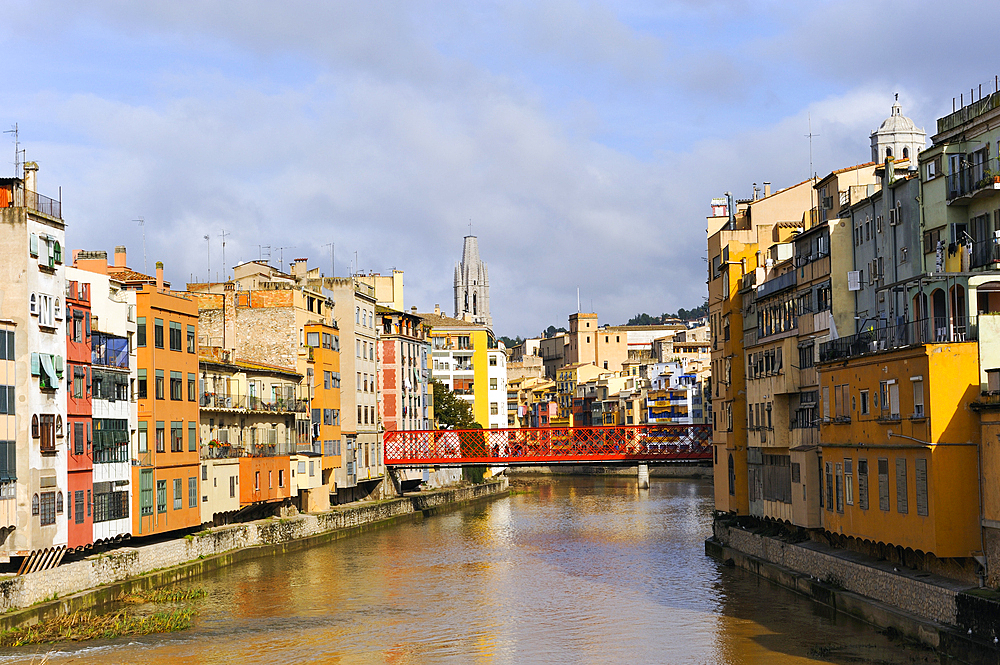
(575, 570)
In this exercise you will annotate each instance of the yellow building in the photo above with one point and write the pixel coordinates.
(460, 359)
(567, 379)
(899, 447)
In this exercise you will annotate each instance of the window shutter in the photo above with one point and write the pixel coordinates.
(901, 499)
(35, 365)
(34, 245)
(921, 480)
(59, 364)
(88, 324)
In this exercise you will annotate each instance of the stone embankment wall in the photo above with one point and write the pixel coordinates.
(208, 549)
(923, 600)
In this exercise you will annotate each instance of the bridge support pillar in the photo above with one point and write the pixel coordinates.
(643, 477)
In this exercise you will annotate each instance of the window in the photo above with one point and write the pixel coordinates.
(918, 396)
(78, 506)
(193, 492)
(176, 436)
(7, 401)
(192, 437)
(849, 481)
(495, 409)
(829, 486)
(78, 441)
(192, 388)
(902, 505)
(883, 484)
(158, 333)
(140, 332)
(143, 436)
(47, 432)
(191, 348)
(864, 402)
(493, 383)
(159, 384)
(141, 386)
(175, 336)
(161, 496)
(839, 480)
(161, 439)
(281, 478)
(931, 239)
(176, 386)
(841, 394)
(232, 487)
(47, 509)
(493, 361)
(178, 493)
(732, 476)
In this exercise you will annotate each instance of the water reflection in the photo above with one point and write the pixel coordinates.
(582, 570)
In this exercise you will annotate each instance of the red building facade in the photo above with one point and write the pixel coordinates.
(80, 465)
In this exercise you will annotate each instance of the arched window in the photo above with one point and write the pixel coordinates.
(34, 504)
(474, 304)
(33, 304)
(357, 315)
(906, 153)
(34, 427)
(732, 476)
(57, 251)
(59, 503)
(59, 426)
(888, 152)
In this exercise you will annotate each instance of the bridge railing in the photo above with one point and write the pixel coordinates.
(548, 445)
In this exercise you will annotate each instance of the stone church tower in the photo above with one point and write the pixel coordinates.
(472, 286)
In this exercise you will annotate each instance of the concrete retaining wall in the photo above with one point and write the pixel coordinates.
(215, 545)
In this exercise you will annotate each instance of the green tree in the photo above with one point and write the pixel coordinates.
(510, 343)
(451, 410)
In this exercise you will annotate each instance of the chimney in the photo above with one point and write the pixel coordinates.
(30, 169)
(299, 268)
(767, 189)
(437, 310)
(414, 309)
(159, 275)
(120, 256)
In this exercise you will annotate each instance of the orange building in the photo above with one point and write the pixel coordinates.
(323, 341)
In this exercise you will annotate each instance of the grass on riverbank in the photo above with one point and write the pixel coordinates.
(81, 626)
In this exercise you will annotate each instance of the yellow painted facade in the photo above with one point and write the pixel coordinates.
(899, 448)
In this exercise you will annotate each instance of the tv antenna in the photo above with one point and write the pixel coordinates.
(223, 235)
(812, 175)
(17, 151)
(260, 252)
(208, 253)
(281, 256)
(142, 225)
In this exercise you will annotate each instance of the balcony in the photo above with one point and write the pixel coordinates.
(985, 253)
(937, 330)
(15, 196)
(974, 181)
(776, 284)
(109, 350)
(253, 403)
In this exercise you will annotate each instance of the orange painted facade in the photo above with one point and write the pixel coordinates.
(167, 476)
(264, 479)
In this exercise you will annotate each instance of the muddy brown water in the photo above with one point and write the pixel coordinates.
(576, 570)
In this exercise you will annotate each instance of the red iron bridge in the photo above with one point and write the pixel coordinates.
(630, 444)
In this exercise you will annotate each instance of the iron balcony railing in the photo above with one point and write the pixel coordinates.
(881, 338)
(974, 178)
(985, 253)
(16, 196)
(253, 403)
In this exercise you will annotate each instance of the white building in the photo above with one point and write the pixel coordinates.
(33, 471)
(497, 391)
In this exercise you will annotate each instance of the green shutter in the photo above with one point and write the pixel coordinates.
(36, 369)
(58, 360)
(34, 245)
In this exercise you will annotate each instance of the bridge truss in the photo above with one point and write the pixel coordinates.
(548, 445)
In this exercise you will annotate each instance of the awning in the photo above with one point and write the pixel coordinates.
(49, 369)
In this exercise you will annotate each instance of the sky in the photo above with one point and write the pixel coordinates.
(583, 141)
